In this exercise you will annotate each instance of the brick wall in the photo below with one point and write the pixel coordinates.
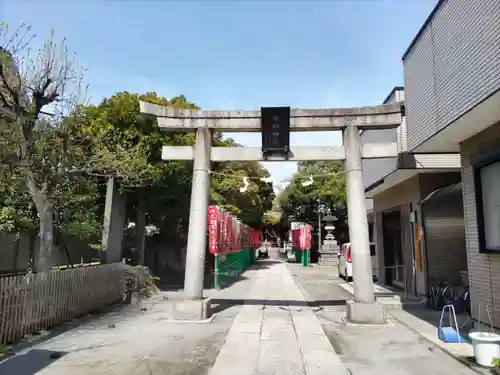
(484, 269)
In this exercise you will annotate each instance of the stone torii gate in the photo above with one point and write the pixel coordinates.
(350, 121)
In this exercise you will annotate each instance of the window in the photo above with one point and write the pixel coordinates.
(487, 181)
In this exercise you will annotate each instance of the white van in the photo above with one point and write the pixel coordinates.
(288, 249)
(345, 261)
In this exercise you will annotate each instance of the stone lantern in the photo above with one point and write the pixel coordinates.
(330, 248)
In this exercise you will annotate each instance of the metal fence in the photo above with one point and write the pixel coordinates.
(32, 302)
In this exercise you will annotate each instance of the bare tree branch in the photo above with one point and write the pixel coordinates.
(31, 86)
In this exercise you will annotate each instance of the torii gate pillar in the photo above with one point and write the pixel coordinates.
(356, 217)
(198, 216)
(363, 309)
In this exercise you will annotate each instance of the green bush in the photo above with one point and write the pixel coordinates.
(139, 279)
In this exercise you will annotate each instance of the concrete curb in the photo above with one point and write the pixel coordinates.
(441, 347)
(204, 321)
(396, 300)
(463, 361)
(393, 302)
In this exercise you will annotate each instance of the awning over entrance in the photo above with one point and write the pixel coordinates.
(398, 176)
(443, 192)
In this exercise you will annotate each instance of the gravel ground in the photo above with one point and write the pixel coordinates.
(136, 340)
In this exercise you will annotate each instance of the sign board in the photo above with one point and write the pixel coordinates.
(301, 237)
(275, 129)
(418, 248)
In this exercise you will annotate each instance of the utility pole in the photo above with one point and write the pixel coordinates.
(319, 227)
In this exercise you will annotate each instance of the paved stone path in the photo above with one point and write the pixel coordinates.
(276, 332)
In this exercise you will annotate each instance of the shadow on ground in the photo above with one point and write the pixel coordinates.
(264, 263)
(421, 309)
(177, 284)
(221, 304)
(30, 363)
(261, 264)
(21, 359)
(432, 316)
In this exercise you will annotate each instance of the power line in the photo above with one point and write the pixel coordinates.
(231, 175)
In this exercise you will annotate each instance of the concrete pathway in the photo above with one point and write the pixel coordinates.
(276, 332)
(392, 349)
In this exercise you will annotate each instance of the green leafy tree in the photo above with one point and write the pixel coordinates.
(328, 191)
(126, 145)
(16, 206)
(250, 206)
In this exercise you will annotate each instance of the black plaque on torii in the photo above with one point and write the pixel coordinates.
(275, 130)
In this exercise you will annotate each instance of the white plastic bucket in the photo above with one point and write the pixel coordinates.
(486, 347)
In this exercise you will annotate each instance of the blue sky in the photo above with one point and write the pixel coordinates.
(237, 54)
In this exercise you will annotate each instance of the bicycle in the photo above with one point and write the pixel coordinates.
(460, 300)
(437, 292)
(447, 294)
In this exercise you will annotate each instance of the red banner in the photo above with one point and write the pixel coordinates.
(227, 233)
(212, 229)
(254, 237)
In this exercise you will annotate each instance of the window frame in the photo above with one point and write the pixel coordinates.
(480, 161)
